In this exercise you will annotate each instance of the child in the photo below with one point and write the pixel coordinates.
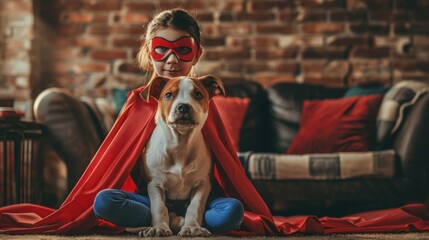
(106, 189)
(171, 48)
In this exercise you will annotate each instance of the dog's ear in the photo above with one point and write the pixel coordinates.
(154, 88)
(213, 84)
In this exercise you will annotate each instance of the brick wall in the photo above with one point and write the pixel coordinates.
(16, 34)
(90, 45)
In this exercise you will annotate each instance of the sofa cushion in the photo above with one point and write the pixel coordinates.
(232, 111)
(285, 108)
(328, 166)
(337, 125)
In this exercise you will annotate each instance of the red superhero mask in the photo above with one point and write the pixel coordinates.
(184, 48)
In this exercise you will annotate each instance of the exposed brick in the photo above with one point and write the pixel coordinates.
(89, 42)
(258, 66)
(386, 15)
(189, 5)
(16, 5)
(129, 68)
(226, 16)
(140, 6)
(17, 19)
(324, 79)
(126, 42)
(17, 44)
(213, 41)
(276, 53)
(350, 41)
(288, 15)
(108, 54)
(421, 41)
(370, 68)
(229, 29)
(252, 41)
(66, 53)
(132, 18)
(369, 4)
(297, 40)
(369, 79)
(322, 4)
(375, 29)
(365, 52)
(247, 67)
(89, 67)
(268, 79)
(305, 15)
(258, 5)
(260, 16)
(230, 54)
(324, 53)
(380, 15)
(276, 28)
(84, 17)
(411, 65)
(353, 15)
(392, 42)
(205, 17)
(70, 29)
(226, 29)
(68, 5)
(335, 67)
(419, 76)
(322, 28)
(408, 28)
(102, 5)
(107, 30)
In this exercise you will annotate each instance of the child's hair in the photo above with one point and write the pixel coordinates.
(175, 18)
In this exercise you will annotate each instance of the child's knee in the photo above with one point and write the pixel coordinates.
(226, 214)
(104, 202)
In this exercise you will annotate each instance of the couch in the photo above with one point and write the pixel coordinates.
(381, 160)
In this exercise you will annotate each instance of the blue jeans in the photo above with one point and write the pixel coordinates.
(126, 209)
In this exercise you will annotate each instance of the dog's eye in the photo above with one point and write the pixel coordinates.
(198, 95)
(168, 95)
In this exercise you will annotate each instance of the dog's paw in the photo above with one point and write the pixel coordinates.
(156, 232)
(194, 231)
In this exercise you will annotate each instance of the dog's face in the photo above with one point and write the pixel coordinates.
(183, 101)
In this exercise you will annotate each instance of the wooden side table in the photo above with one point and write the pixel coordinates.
(21, 168)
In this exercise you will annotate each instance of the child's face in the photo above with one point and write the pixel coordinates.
(172, 65)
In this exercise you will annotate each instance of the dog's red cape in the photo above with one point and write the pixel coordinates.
(112, 164)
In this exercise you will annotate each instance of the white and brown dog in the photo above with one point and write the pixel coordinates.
(176, 162)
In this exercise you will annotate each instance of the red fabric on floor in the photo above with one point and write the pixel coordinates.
(113, 162)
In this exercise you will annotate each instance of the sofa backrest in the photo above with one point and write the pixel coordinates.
(253, 131)
(274, 114)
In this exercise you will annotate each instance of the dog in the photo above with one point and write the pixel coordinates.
(176, 162)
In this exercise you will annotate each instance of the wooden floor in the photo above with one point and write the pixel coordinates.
(407, 236)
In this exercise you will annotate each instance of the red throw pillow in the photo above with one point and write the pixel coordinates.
(337, 125)
(232, 111)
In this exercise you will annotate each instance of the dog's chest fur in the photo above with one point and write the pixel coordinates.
(177, 163)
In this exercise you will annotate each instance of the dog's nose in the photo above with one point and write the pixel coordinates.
(183, 108)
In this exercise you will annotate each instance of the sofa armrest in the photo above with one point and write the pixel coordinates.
(411, 143)
(403, 124)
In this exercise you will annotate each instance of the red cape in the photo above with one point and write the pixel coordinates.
(112, 165)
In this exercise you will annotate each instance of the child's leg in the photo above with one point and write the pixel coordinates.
(223, 214)
(122, 208)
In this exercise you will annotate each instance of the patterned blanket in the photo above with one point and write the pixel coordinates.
(269, 166)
